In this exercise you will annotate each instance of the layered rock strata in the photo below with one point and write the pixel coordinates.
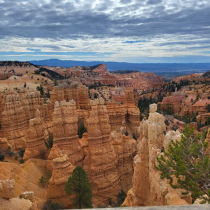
(125, 150)
(65, 128)
(7, 188)
(62, 170)
(17, 112)
(101, 162)
(14, 122)
(125, 117)
(75, 91)
(36, 135)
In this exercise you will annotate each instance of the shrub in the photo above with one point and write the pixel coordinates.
(9, 152)
(21, 153)
(134, 137)
(121, 197)
(81, 129)
(21, 161)
(166, 122)
(42, 181)
(2, 156)
(40, 89)
(49, 143)
(48, 205)
(110, 201)
(126, 133)
(36, 72)
(95, 95)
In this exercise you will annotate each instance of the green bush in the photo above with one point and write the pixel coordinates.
(21, 161)
(36, 72)
(166, 122)
(134, 137)
(81, 129)
(121, 197)
(2, 156)
(42, 181)
(40, 89)
(49, 143)
(21, 153)
(48, 205)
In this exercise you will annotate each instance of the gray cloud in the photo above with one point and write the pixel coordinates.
(130, 19)
(154, 1)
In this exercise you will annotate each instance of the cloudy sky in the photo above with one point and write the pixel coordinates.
(106, 30)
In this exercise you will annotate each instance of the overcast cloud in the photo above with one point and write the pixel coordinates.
(124, 29)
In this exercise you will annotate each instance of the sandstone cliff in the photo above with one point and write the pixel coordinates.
(36, 136)
(65, 128)
(125, 117)
(101, 162)
(16, 113)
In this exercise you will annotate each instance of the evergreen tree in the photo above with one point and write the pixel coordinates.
(189, 162)
(79, 185)
(82, 129)
(49, 143)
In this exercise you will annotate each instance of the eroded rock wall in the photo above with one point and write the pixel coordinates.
(126, 116)
(65, 128)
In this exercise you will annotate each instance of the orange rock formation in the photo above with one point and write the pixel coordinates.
(65, 128)
(62, 170)
(125, 117)
(148, 189)
(36, 136)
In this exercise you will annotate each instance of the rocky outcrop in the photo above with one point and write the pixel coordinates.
(125, 150)
(14, 122)
(18, 109)
(101, 69)
(17, 204)
(31, 101)
(36, 136)
(26, 178)
(125, 117)
(75, 91)
(8, 200)
(62, 170)
(65, 128)
(148, 189)
(7, 189)
(4, 144)
(175, 135)
(101, 162)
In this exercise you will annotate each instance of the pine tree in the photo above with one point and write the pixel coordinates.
(79, 185)
(82, 129)
(49, 143)
(189, 162)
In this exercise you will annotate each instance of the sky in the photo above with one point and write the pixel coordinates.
(135, 31)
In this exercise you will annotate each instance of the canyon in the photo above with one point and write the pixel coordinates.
(118, 150)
